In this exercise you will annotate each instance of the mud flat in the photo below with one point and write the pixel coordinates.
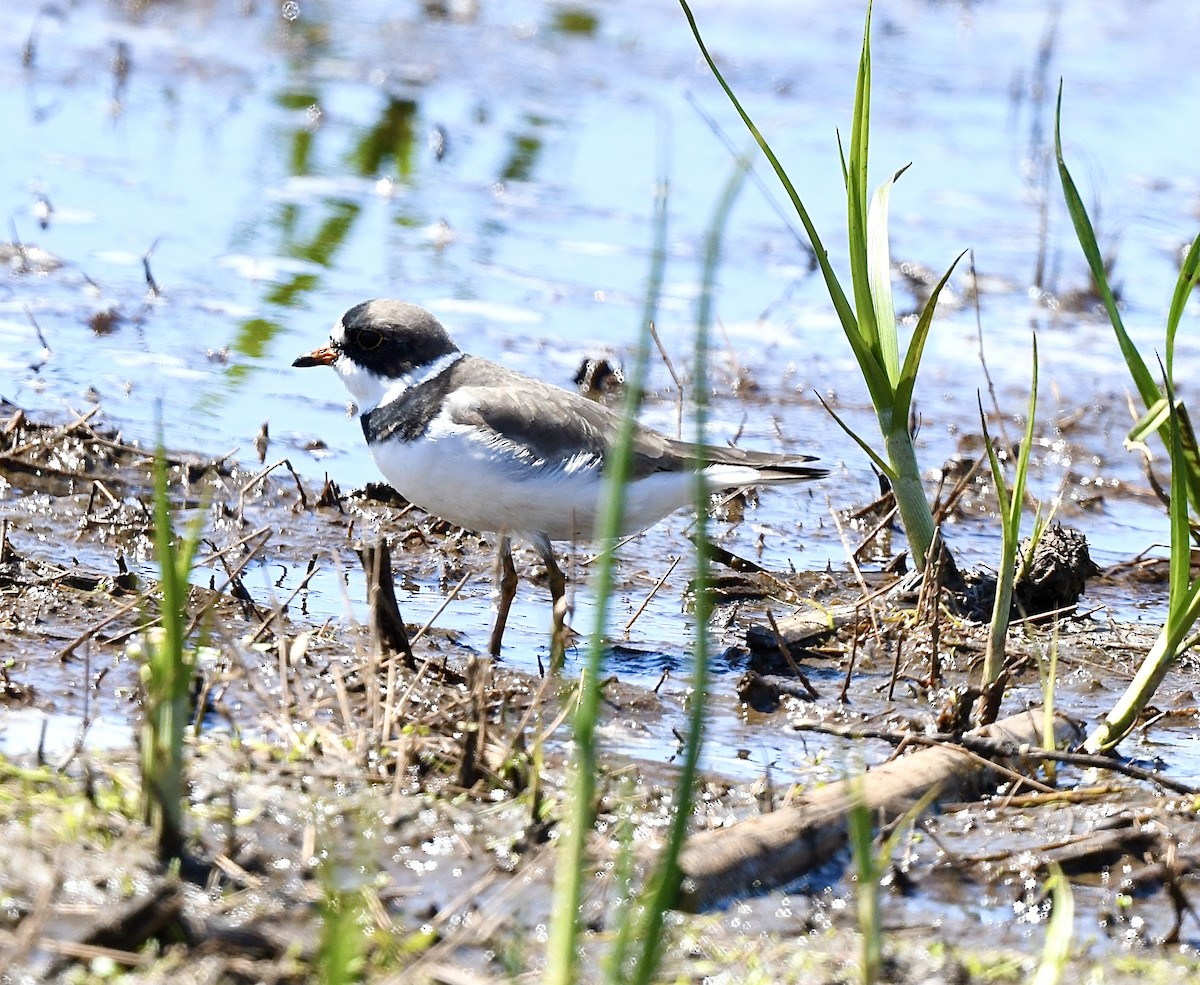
(415, 796)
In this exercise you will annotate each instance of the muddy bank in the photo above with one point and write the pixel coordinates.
(420, 794)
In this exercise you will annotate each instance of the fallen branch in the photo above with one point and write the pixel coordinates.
(777, 848)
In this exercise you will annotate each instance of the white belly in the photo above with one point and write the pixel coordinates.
(482, 487)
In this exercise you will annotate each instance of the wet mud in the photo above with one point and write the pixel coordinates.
(324, 769)
(197, 189)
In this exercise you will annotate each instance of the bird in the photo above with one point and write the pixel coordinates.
(493, 450)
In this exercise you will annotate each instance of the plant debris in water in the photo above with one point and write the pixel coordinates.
(421, 786)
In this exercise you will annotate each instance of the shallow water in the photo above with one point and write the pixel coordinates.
(500, 170)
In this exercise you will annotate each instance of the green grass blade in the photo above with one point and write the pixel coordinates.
(916, 345)
(164, 547)
(166, 673)
(664, 887)
(879, 268)
(866, 889)
(1022, 473)
(856, 199)
(1157, 416)
(1144, 380)
(1059, 931)
(562, 948)
(1181, 543)
(1011, 502)
(998, 480)
(870, 452)
(836, 294)
(1189, 276)
(1142, 377)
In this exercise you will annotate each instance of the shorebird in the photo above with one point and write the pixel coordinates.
(494, 450)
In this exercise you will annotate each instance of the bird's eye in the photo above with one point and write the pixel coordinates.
(367, 339)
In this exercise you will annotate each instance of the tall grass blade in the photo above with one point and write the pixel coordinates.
(1049, 671)
(870, 865)
(866, 887)
(343, 940)
(1189, 276)
(664, 886)
(1059, 932)
(856, 201)
(1011, 503)
(837, 295)
(1175, 430)
(563, 945)
(870, 327)
(166, 671)
(1143, 379)
(879, 267)
(1183, 606)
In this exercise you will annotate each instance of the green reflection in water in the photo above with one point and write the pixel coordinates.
(386, 147)
(575, 20)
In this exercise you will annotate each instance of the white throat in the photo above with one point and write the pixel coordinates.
(370, 390)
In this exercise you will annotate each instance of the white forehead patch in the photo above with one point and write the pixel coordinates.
(337, 334)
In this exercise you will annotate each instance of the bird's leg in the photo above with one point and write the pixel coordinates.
(504, 590)
(558, 601)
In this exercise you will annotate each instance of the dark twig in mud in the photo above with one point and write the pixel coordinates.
(896, 659)
(653, 591)
(929, 603)
(262, 474)
(867, 595)
(1115, 766)
(475, 730)
(151, 284)
(262, 442)
(14, 424)
(844, 694)
(213, 598)
(429, 661)
(48, 436)
(281, 608)
(387, 625)
(662, 351)
(67, 651)
(240, 543)
(450, 597)
(46, 352)
(942, 507)
(239, 592)
(1070, 611)
(99, 487)
(235, 572)
(882, 524)
(789, 659)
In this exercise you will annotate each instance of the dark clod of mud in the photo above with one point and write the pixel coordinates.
(1051, 576)
(1054, 576)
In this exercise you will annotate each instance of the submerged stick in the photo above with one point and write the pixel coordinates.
(777, 848)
